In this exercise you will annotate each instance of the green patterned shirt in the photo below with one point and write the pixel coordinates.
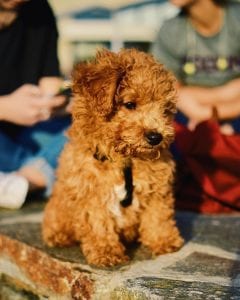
(196, 59)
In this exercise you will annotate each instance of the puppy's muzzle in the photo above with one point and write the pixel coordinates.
(153, 138)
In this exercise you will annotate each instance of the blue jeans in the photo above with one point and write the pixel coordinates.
(39, 145)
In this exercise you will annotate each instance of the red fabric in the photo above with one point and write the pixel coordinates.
(209, 170)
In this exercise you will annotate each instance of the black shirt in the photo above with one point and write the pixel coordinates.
(28, 47)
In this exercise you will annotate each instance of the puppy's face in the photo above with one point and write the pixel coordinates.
(124, 104)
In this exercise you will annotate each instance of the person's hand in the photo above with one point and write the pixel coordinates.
(28, 106)
(53, 86)
(194, 110)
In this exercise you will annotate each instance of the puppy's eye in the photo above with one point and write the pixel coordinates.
(170, 108)
(167, 112)
(130, 105)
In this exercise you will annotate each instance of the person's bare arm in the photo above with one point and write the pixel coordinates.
(26, 106)
(230, 110)
(197, 102)
(213, 95)
(188, 103)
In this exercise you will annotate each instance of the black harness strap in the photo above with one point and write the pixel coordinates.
(127, 171)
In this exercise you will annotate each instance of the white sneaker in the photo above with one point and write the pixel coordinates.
(13, 190)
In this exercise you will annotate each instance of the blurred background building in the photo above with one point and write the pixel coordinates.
(86, 25)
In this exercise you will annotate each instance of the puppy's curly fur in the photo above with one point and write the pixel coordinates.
(122, 117)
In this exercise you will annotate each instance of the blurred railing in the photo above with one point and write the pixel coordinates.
(83, 31)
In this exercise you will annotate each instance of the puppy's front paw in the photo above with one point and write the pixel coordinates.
(106, 256)
(166, 246)
(53, 237)
(163, 241)
(108, 260)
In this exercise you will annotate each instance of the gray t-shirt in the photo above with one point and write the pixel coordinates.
(200, 60)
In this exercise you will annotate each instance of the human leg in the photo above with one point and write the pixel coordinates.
(49, 137)
(12, 153)
(13, 188)
(40, 169)
(32, 155)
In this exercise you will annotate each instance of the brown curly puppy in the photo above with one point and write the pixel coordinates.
(115, 175)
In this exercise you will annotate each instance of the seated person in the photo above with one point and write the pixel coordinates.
(30, 137)
(200, 46)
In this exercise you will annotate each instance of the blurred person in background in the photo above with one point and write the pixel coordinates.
(30, 137)
(201, 47)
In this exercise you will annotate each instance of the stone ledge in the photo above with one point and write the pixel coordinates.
(35, 271)
(207, 267)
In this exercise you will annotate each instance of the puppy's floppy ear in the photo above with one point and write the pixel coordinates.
(97, 81)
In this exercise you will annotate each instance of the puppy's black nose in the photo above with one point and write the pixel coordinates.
(153, 138)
